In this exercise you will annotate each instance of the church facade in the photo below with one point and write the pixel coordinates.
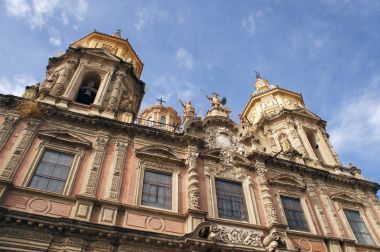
(83, 169)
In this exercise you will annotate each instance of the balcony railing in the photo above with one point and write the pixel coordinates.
(159, 125)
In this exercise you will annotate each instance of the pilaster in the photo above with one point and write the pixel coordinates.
(118, 169)
(97, 163)
(22, 147)
(7, 128)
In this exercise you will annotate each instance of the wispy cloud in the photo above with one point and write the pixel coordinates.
(16, 84)
(353, 7)
(184, 58)
(38, 13)
(170, 87)
(355, 128)
(250, 23)
(146, 17)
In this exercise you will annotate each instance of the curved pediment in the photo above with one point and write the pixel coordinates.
(158, 151)
(345, 197)
(241, 159)
(65, 136)
(287, 181)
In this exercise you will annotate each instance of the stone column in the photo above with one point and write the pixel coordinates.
(7, 128)
(64, 77)
(120, 153)
(192, 178)
(97, 163)
(267, 199)
(116, 89)
(21, 149)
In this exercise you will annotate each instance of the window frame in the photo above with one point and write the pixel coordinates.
(246, 219)
(77, 156)
(171, 187)
(304, 206)
(363, 219)
(159, 167)
(303, 212)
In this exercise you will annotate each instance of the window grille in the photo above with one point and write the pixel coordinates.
(358, 227)
(294, 214)
(157, 190)
(52, 171)
(230, 199)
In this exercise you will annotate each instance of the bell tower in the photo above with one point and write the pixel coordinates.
(278, 119)
(99, 75)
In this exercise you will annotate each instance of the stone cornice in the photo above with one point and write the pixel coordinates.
(319, 173)
(11, 103)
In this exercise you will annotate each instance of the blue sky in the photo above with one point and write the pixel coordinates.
(329, 50)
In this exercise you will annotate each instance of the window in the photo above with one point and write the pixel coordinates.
(294, 214)
(358, 227)
(163, 122)
(52, 171)
(157, 189)
(149, 121)
(230, 199)
(89, 88)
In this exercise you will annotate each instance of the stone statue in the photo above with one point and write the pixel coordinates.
(285, 143)
(125, 103)
(215, 102)
(188, 109)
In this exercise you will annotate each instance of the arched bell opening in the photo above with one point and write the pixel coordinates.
(88, 88)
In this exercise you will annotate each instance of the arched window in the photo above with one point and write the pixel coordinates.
(313, 140)
(88, 88)
(163, 122)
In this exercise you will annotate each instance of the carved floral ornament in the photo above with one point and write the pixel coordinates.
(228, 234)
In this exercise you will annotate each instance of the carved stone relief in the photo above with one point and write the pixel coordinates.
(121, 150)
(100, 149)
(64, 77)
(236, 235)
(7, 128)
(192, 178)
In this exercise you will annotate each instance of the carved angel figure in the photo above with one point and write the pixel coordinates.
(188, 109)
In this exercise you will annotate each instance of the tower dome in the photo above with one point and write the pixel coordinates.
(161, 117)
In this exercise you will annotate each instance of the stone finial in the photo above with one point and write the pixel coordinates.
(117, 34)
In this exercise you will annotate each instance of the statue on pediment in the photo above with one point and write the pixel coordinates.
(188, 109)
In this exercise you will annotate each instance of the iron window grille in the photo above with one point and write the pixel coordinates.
(52, 171)
(157, 190)
(230, 199)
(294, 214)
(358, 227)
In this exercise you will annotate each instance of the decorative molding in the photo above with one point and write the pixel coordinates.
(22, 147)
(158, 152)
(6, 128)
(236, 235)
(118, 168)
(64, 136)
(62, 81)
(192, 178)
(97, 163)
(345, 197)
(288, 181)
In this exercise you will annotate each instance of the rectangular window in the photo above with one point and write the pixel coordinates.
(52, 171)
(358, 227)
(230, 199)
(157, 190)
(294, 214)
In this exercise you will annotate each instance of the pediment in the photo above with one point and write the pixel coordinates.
(241, 159)
(345, 197)
(158, 151)
(287, 181)
(212, 152)
(307, 113)
(64, 136)
(99, 52)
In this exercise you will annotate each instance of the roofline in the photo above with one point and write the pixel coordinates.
(116, 38)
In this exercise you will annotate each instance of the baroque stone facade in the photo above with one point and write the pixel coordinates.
(81, 169)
